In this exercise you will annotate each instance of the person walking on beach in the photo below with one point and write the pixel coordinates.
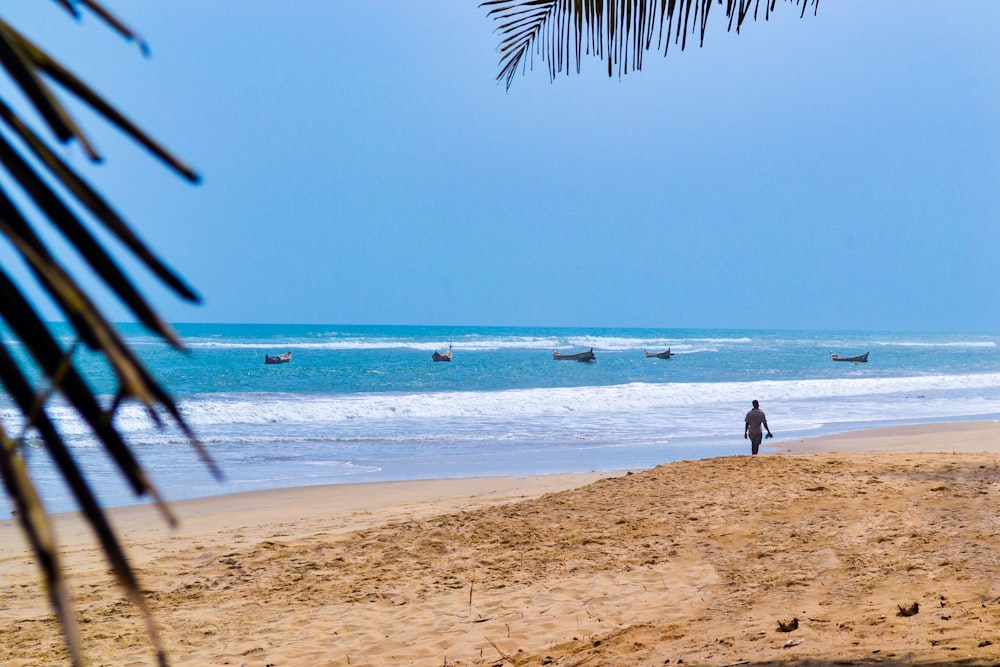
(752, 423)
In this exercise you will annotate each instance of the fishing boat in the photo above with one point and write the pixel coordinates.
(278, 359)
(860, 359)
(437, 356)
(659, 355)
(579, 356)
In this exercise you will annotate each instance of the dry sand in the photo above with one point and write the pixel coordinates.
(691, 563)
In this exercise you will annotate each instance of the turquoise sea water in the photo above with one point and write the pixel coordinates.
(367, 403)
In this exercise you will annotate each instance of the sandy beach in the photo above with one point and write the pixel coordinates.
(870, 547)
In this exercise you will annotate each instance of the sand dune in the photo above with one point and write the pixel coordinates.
(691, 563)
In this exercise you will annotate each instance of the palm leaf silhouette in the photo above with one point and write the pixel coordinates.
(561, 32)
(34, 72)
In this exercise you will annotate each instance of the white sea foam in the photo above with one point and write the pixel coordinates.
(687, 409)
(477, 344)
(680, 409)
(934, 344)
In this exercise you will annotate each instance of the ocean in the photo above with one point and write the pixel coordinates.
(367, 403)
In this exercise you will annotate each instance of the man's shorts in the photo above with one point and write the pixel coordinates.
(755, 442)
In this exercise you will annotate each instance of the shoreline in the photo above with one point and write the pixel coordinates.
(972, 436)
(962, 431)
(694, 560)
(397, 499)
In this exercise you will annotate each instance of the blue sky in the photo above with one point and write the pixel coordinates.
(361, 165)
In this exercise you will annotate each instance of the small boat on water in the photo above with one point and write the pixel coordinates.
(579, 356)
(278, 359)
(659, 355)
(437, 356)
(860, 359)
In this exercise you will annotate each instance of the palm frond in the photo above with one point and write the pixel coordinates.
(29, 402)
(561, 32)
(24, 61)
(68, 203)
(38, 529)
(26, 77)
(111, 20)
(45, 350)
(77, 234)
(96, 204)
